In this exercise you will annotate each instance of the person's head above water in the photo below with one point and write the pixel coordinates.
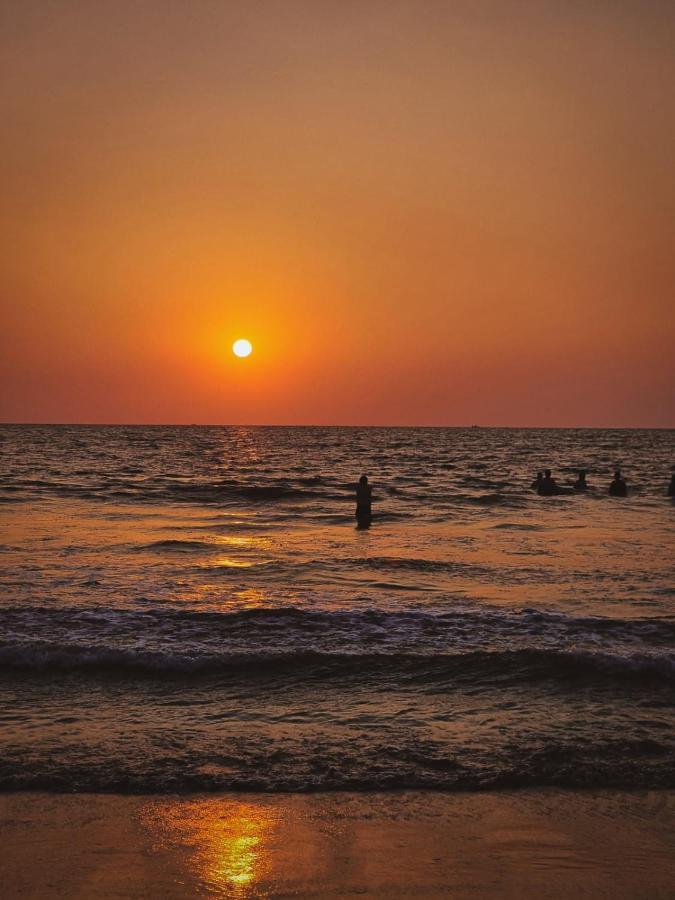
(547, 473)
(582, 474)
(363, 479)
(617, 475)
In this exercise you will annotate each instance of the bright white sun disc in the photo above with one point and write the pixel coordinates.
(242, 347)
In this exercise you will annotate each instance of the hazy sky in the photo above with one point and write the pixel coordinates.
(419, 212)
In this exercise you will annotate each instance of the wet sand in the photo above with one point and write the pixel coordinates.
(544, 843)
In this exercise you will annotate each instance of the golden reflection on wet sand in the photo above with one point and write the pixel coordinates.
(228, 841)
(511, 844)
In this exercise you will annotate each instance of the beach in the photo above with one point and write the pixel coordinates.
(541, 843)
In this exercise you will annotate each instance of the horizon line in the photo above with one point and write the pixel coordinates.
(332, 425)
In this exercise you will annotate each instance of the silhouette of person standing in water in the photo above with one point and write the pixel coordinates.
(618, 488)
(580, 484)
(671, 486)
(548, 486)
(364, 502)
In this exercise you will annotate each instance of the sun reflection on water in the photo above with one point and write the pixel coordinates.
(228, 841)
(245, 542)
(226, 562)
(250, 598)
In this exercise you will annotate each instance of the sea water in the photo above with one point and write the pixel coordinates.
(194, 608)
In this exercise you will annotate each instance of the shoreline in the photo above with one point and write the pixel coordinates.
(546, 842)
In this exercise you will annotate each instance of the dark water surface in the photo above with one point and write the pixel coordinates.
(193, 608)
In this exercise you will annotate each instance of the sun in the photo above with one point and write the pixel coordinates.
(242, 347)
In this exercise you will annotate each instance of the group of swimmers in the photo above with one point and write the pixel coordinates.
(544, 484)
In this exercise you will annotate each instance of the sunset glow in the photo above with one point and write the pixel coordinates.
(424, 215)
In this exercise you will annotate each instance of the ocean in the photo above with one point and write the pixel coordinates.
(194, 609)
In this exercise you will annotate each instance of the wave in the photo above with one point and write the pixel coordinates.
(365, 763)
(158, 489)
(131, 486)
(525, 665)
(465, 614)
(177, 545)
(414, 564)
(487, 499)
(517, 526)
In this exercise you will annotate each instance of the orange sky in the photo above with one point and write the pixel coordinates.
(419, 213)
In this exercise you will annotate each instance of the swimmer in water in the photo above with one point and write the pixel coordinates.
(548, 486)
(580, 484)
(364, 502)
(618, 488)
